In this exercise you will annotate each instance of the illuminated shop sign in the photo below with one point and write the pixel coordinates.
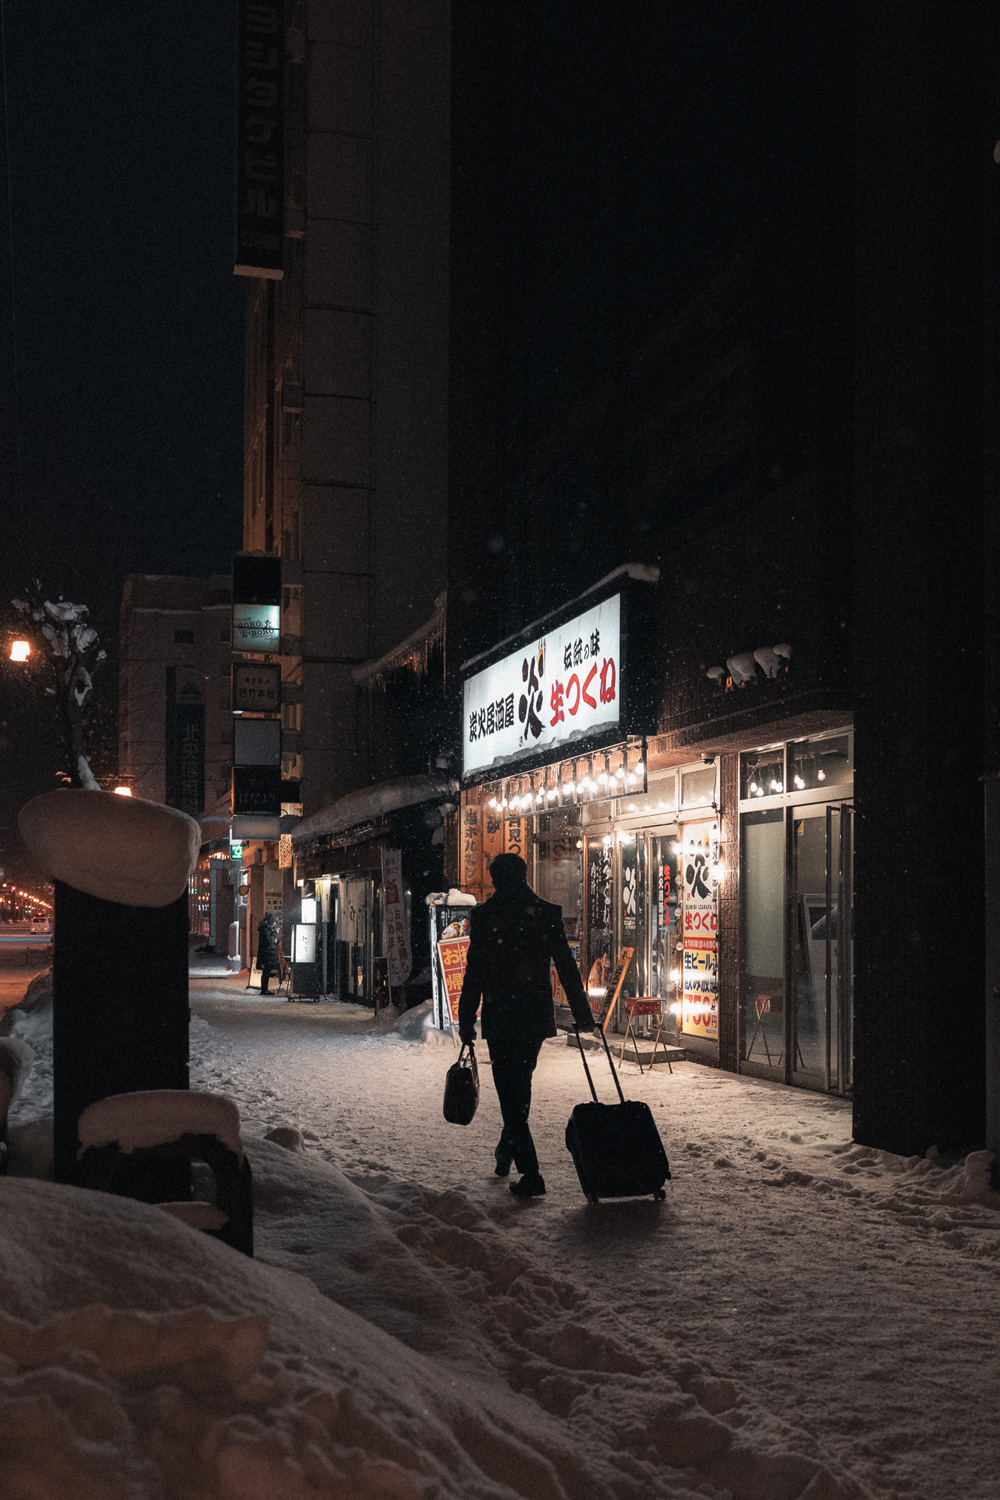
(256, 627)
(556, 693)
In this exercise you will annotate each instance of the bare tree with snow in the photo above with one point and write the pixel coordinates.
(60, 633)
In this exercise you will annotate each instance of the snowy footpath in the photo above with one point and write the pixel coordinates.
(802, 1319)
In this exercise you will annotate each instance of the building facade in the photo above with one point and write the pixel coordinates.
(346, 397)
(175, 725)
(692, 335)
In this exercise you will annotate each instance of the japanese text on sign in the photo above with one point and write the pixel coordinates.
(256, 688)
(562, 687)
(396, 929)
(699, 931)
(452, 954)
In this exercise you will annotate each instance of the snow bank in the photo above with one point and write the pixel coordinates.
(15, 1061)
(413, 1025)
(151, 1117)
(206, 1374)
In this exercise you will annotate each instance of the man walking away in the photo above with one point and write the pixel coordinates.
(267, 950)
(512, 937)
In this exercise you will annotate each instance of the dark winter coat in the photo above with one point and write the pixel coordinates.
(267, 945)
(513, 936)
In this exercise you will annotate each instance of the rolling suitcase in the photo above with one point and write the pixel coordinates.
(616, 1148)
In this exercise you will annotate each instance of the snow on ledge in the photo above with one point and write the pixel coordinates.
(154, 1117)
(374, 802)
(121, 849)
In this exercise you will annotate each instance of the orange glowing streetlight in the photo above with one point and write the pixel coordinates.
(123, 791)
(20, 650)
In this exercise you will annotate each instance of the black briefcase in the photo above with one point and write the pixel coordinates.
(461, 1088)
(616, 1148)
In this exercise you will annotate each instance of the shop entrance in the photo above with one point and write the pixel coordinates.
(796, 970)
(354, 918)
(634, 894)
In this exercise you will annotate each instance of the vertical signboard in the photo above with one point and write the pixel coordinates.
(700, 931)
(515, 835)
(449, 925)
(493, 831)
(397, 933)
(599, 917)
(471, 851)
(185, 769)
(259, 233)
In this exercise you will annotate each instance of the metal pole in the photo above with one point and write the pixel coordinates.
(828, 975)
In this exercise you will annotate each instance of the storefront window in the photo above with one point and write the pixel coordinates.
(762, 772)
(559, 878)
(822, 763)
(698, 787)
(660, 798)
(762, 890)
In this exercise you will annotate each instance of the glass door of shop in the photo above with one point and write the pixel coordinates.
(633, 901)
(796, 960)
(354, 923)
(820, 934)
(661, 972)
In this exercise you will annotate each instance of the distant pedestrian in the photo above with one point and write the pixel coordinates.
(268, 960)
(513, 937)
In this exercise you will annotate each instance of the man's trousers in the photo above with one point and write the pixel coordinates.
(513, 1064)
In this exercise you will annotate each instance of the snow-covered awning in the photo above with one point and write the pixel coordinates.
(373, 802)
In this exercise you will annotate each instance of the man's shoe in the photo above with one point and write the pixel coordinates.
(504, 1159)
(528, 1187)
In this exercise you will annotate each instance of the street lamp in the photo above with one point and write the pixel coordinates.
(19, 650)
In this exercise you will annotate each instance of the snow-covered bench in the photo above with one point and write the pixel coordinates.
(172, 1125)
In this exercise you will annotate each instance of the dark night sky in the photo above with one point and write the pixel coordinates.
(129, 321)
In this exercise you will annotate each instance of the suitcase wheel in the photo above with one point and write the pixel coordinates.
(592, 1198)
(660, 1194)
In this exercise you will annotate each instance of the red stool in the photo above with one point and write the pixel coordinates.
(643, 1005)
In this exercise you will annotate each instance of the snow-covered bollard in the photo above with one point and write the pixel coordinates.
(120, 960)
(129, 1131)
(234, 961)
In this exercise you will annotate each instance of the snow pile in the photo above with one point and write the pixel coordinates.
(121, 849)
(800, 1310)
(15, 1062)
(34, 1031)
(38, 995)
(928, 1179)
(152, 1117)
(208, 1375)
(413, 1025)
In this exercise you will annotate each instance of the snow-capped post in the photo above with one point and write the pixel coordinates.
(121, 867)
(59, 632)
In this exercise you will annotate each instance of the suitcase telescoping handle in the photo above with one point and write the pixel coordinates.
(611, 1065)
